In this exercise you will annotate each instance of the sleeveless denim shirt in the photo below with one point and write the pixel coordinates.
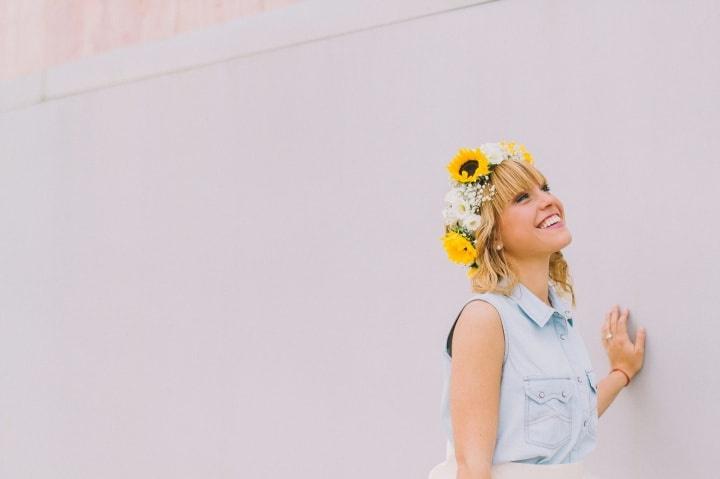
(548, 389)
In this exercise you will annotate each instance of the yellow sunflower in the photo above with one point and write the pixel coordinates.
(468, 165)
(458, 248)
(526, 155)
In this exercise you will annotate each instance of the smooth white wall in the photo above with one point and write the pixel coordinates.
(235, 270)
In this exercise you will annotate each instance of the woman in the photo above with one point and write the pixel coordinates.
(521, 397)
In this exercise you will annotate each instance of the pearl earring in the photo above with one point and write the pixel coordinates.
(498, 247)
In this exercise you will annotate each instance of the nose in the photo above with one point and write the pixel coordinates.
(546, 198)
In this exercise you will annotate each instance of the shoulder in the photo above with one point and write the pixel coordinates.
(479, 339)
(484, 305)
(479, 321)
(479, 311)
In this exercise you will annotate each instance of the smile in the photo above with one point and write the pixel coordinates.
(553, 221)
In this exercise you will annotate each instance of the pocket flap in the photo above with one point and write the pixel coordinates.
(592, 379)
(542, 390)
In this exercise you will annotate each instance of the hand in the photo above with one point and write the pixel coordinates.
(622, 353)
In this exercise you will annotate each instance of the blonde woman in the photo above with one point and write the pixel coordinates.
(522, 398)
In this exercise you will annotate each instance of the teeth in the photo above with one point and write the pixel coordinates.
(550, 221)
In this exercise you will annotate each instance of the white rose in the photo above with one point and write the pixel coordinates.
(471, 221)
(461, 208)
(457, 204)
(494, 152)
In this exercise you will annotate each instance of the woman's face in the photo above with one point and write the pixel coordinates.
(521, 232)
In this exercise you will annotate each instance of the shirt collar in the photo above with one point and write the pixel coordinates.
(537, 309)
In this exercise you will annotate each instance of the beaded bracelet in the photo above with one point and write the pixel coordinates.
(628, 377)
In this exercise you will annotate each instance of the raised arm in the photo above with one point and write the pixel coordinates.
(478, 347)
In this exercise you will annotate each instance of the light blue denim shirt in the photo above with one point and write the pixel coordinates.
(548, 390)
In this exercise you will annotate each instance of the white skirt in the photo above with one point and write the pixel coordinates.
(517, 470)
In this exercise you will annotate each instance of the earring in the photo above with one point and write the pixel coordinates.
(498, 247)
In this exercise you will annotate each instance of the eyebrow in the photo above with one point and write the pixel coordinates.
(522, 192)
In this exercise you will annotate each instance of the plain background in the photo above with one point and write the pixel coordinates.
(236, 270)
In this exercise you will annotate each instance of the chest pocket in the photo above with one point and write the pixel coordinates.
(548, 411)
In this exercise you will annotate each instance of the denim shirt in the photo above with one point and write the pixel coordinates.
(548, 388)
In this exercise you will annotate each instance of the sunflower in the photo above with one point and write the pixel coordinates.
(459, 249)
(468, 165)
(526, 155)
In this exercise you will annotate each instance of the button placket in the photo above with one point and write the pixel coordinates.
(561, 327)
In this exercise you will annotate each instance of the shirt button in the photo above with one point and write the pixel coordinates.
(562, 336)
(585, 422)
(579, 380)
(541, 394)
(563, 394)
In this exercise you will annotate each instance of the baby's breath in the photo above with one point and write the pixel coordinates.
(463, 231)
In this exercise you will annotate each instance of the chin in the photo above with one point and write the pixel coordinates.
(567, 242)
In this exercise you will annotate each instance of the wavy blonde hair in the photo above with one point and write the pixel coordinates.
(493, 273)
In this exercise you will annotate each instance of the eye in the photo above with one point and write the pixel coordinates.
(519, 198)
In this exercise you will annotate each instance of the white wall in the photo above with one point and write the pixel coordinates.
(234, 270)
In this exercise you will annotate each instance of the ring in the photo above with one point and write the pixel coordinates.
(609, 336)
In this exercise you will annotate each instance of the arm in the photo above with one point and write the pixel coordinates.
(622, 353)
(478, 347)
(608, 389)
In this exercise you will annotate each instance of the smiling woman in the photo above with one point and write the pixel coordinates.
(537, 417)
(511, 224)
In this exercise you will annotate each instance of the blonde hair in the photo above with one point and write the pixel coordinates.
(493, 273)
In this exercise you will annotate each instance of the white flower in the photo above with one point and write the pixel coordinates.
(449, 216)
(494, 152)
(453, 196)
(461, 208)
(471, 221)
(457, 203)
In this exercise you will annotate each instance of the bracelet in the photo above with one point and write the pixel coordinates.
(628, 377)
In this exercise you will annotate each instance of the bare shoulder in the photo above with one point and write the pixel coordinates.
(479, 326)
(479, 315)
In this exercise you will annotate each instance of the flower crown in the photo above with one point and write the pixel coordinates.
(470, 172)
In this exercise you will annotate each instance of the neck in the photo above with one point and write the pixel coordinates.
(534, 274)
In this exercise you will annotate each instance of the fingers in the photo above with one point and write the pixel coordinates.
(603, 331)
(622, 323)
(640, 340)
(613, 319)
(605, 328)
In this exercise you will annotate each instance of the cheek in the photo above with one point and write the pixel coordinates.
(520, 227)
(524, 221)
